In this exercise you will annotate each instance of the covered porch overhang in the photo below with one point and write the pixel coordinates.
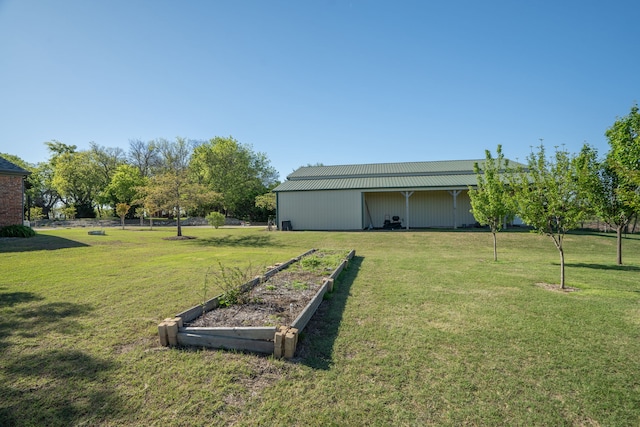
(442, 207)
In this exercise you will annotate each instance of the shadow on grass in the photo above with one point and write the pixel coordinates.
(316, 347)
(603, 266)
(252, 240)
(45, 383)
(9, 299)
(39, 242)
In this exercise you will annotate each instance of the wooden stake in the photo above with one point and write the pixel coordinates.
(162, 332)
(330, 287)
(278, 342)
(290, 342)
(172, 333)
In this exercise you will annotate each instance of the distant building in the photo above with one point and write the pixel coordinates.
(11, 193)
(378, 196)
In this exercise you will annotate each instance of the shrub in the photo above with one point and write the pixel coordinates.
(215, 219)
(16, 231)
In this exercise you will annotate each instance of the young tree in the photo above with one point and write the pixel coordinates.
(139, 212)
(603, 188)
(174, 192)
(121, 210)
(490, 200)
(623, 163)
(148, 205)
(172, 188)
(549, 198)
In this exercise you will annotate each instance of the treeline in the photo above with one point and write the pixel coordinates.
(173, 177)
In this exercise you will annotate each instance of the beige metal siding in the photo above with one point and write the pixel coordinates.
(435, 209)
(321, 210)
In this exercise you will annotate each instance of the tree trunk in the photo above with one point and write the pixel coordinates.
(495, 247)
(561, 266)
(122, 221)
(179, 226)
(619, 244)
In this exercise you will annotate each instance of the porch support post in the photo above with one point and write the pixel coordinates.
(406, 195)
(455, 193)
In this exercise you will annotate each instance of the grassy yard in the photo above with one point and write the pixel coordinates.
(422, 329)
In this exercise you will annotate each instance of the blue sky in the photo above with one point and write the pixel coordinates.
(326, 81)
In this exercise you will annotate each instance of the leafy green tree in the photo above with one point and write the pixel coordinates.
(623, 167)
(42, 192)
(106, 160)
(124, 182)
(266, 201)
(603, 189)
(490, 201)
(77, 180)
(549, 197)
(235, 171)
(56, 148)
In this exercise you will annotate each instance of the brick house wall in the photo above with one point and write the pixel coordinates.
(11, 200)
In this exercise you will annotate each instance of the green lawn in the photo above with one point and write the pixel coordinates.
(423, 328)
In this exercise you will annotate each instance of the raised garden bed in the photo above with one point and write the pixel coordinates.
(275, 308)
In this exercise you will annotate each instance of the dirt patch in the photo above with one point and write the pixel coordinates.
(556, 288)
(280, 299)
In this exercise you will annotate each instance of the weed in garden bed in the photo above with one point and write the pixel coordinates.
(299, 285)
(232, 280)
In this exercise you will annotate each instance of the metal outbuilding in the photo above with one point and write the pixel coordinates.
(378, 196)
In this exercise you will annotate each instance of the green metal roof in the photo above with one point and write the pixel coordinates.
(385, 169)
(371, 183)
(412, 175)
